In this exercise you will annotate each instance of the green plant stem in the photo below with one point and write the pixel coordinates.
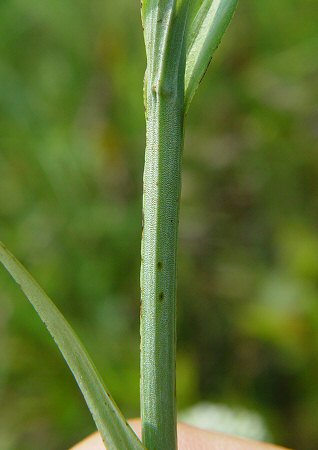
(162, 183)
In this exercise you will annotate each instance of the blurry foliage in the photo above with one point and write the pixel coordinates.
(72, 142)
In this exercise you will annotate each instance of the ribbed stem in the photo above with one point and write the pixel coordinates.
(162, 182)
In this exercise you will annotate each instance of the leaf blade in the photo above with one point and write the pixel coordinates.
(157, 17)
(209, 24)
(115, 431)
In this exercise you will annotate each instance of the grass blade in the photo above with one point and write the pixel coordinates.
(116, 433)
(157, 17)
(205, 34)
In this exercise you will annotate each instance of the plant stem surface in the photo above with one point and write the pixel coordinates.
(162, 186)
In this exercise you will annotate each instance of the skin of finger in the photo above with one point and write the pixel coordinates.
(189, 438)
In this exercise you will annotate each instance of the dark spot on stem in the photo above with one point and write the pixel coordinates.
(161, 296)
(159, 265)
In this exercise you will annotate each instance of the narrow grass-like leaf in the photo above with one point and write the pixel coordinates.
(157, 16)
(116, 433)
(205, 34)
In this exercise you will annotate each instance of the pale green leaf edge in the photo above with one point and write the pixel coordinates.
(205, 34)
(115, 431)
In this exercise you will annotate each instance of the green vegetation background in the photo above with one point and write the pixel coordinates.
(71, 160)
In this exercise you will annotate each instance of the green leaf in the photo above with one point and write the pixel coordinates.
(165, 23)
(211, 18)
(116, 433)
(157, 17)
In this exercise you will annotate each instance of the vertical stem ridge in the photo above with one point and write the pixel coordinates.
(162, 186)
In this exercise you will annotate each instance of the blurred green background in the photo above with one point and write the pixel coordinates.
(71, 161)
